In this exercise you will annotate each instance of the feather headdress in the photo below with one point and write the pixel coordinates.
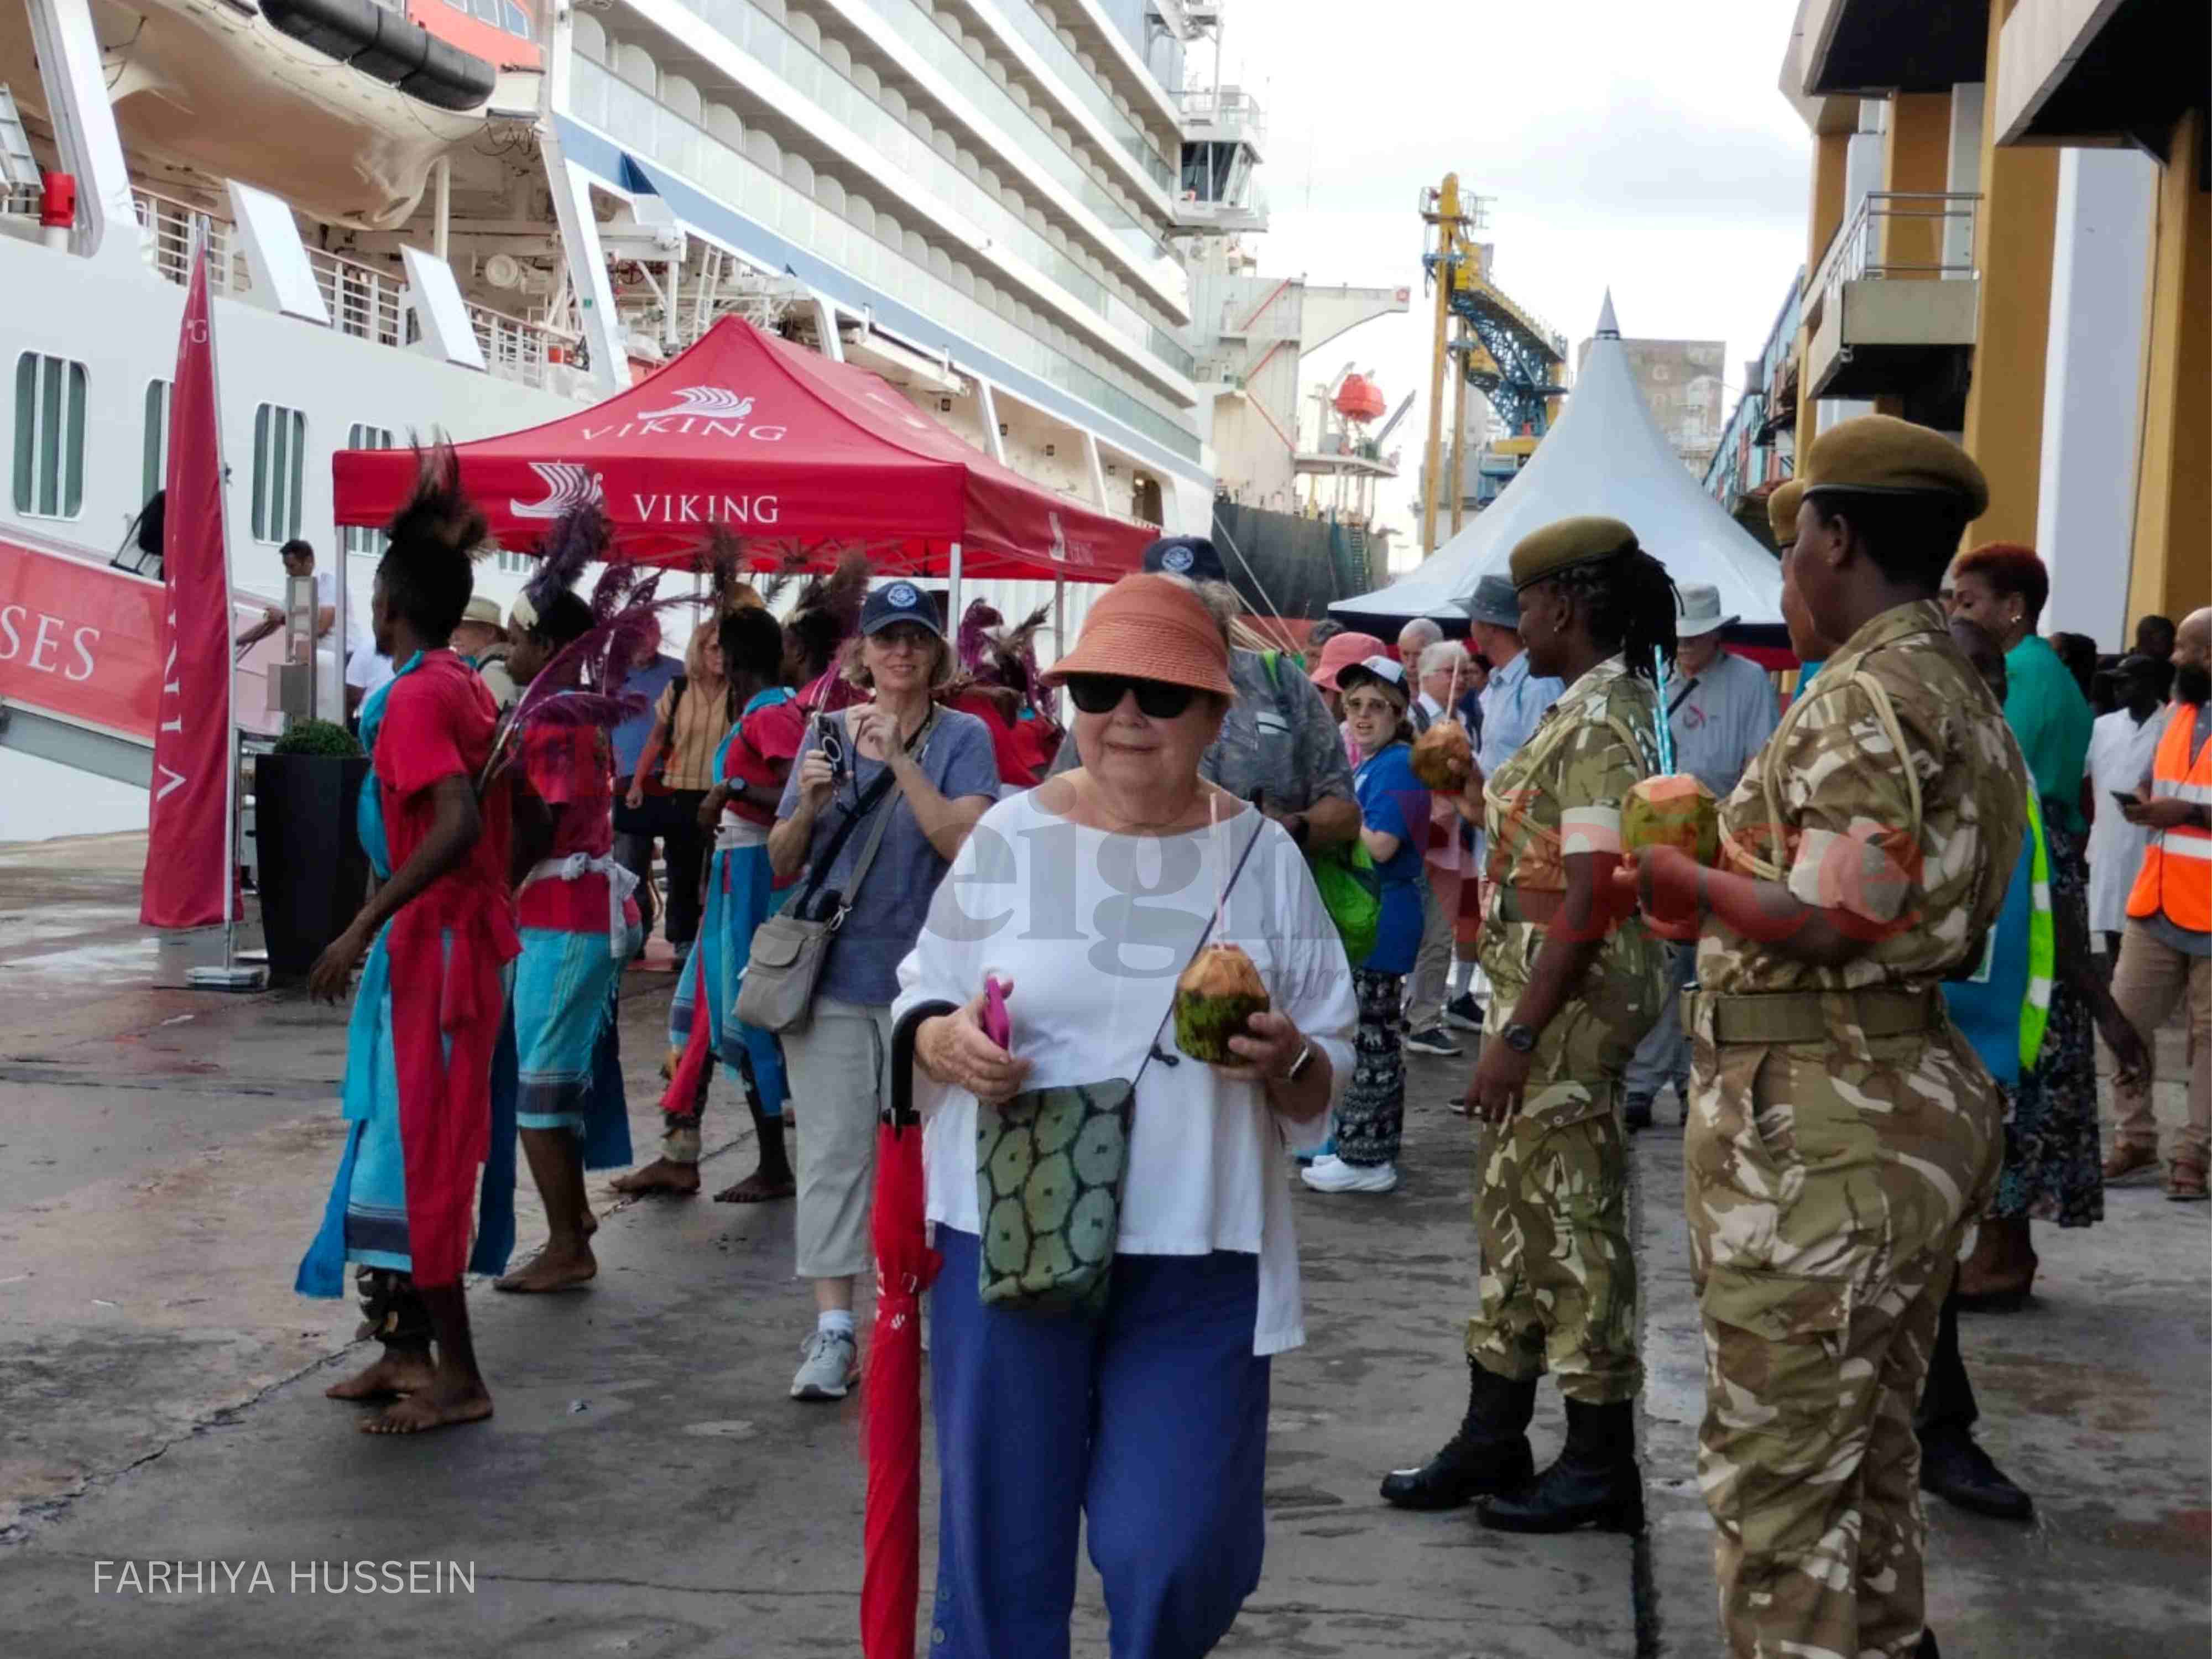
(438, 520)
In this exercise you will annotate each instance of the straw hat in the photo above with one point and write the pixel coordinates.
(1150, 628)
(1339, 652)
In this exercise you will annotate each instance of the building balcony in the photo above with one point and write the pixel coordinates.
(1883, 46)
(1891, 310)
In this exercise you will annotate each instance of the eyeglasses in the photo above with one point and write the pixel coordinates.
(907, 636)
(1369, 706)
(1102, 694)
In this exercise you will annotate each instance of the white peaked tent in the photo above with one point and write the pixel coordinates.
(1605, 455)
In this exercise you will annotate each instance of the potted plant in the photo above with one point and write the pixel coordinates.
(314, 874)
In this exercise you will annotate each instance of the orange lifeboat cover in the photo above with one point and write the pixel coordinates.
(1359, 398)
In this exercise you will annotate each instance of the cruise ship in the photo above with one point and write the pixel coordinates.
(474, 216)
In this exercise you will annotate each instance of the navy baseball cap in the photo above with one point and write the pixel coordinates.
(1186, 556)
(900, 601)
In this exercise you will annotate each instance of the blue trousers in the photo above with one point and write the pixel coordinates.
(1149, 1422)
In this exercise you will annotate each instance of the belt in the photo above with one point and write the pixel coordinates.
(1803, 1016)
(733, 832)
(622, 882)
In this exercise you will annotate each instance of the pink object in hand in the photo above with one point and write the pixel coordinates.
(997, 1025)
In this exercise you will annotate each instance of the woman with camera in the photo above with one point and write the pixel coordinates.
(883, 796)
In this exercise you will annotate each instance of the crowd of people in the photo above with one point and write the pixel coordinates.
(1876, 1009)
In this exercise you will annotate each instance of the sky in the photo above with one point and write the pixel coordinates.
(1625, 145)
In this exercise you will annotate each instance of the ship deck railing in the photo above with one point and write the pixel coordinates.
(364, 301)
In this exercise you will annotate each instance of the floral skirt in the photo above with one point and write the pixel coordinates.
(1372, 1116)
(2053, 1168)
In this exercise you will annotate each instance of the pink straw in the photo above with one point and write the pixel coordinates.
(1213, 814)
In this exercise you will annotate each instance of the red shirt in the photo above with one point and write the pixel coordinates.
(438, 724)
(1024, 749)
(572, 770)
(767, 735)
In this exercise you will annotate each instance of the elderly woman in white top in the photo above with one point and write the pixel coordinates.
(1145, 1414)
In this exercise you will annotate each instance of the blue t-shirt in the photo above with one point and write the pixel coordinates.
(888, 911)
(1394, 802)
(628, 738)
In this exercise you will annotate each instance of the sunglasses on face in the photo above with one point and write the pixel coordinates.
(1369, 706)
(905, 636)
(1102, 694)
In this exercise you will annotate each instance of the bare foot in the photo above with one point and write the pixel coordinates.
(555, 1267)
(661, 1175)
(436, 1407)
(758, 1187)
(402, 1370)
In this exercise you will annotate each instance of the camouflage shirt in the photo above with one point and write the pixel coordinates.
(1841, 828)
(1278, 744)
(1561, 794)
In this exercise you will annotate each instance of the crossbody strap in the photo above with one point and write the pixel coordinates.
(864, 805)
(1206, 935)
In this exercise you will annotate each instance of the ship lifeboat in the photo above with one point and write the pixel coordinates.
(1359, 399)
(388, 45)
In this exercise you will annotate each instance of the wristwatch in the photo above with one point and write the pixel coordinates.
(1520, 1039)
(1298, 1066)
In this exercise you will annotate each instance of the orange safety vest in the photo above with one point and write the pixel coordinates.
(2177, 866)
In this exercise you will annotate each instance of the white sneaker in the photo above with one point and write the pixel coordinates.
(825, 1367)
(1337, 1177)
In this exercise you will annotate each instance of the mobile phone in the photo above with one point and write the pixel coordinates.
(2125, 799)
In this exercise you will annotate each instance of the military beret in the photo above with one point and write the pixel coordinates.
(1882, 455)
(1542, 554)
(1782, 510)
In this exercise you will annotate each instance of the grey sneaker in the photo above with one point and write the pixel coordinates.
(1432, 1040)
(825, 1367)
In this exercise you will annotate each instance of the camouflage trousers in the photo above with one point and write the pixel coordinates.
(1828, 1187)
(1558, 1279)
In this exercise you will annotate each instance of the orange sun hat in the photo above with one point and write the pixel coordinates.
(1151, 628)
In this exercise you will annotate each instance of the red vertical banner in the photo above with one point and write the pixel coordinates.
(191, 878)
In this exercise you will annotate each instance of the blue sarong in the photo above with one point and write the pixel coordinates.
(739, 898)
(567, 1053)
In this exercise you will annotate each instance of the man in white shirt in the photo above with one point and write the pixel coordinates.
(1720, 708)
(298, 560)
(1415, 637)
(2121, 744)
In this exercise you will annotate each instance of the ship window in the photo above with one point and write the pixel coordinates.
(488, 11)
(280, 471)
(518, 21)
(50, 405)
(360, 540)
(156, 474)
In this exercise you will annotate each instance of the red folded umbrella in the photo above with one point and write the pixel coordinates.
(890, 1400)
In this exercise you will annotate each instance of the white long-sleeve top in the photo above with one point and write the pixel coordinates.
(1093, 929)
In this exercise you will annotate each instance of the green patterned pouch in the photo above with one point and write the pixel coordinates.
(1048, 1168)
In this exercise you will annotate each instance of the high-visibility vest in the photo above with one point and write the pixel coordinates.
(2176, 876)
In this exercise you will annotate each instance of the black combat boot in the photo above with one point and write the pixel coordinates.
(1489, 1453)
(1595, 1483)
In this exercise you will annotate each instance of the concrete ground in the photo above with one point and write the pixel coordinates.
(647, 1489)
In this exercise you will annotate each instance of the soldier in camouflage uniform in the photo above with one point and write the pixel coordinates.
(1843, 1134)
(1571, 999)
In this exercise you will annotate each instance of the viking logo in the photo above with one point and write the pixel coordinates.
(903, 595)
(567, 485)
(1059, 538)
(709, 401)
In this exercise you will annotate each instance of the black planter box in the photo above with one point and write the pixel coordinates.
(314, 874)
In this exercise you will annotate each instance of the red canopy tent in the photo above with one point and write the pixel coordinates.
(780, 446)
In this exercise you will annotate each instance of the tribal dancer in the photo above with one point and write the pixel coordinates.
(580, 926)
(749, 767)
(437, 934)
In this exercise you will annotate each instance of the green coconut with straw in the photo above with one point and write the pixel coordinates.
(1674, 809)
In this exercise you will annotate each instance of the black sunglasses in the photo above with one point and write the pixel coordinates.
(1100, 693)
